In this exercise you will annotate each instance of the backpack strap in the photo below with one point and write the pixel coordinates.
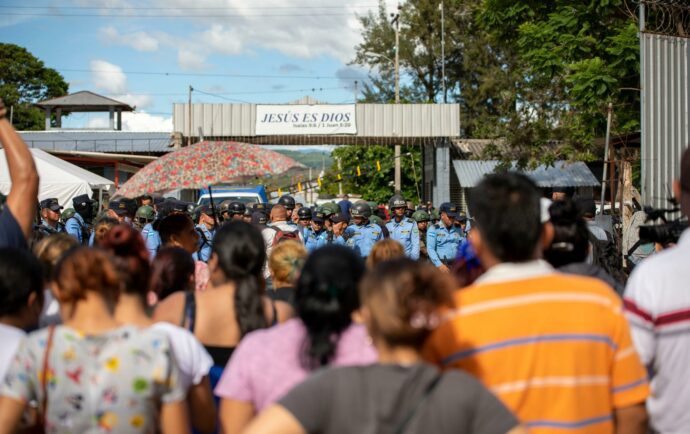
(402, 426)
(189, 311)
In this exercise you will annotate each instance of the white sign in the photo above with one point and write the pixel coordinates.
(287, 120)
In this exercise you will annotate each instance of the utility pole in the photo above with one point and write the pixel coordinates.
(396, 22)
(443, 53)
(340, 183)
(356, 91)
(189, 109)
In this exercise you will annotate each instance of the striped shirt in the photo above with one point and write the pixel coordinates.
(555, 348)
(657, 303)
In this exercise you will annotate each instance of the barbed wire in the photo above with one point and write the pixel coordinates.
(667, 17)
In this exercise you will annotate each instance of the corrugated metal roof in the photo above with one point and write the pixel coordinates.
(82, 100)
(561, 174)
(98, 141)
(373, 120)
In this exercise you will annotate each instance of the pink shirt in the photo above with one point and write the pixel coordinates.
(266, 364)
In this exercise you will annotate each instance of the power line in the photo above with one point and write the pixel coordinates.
(65, 15)
(202, 74)
(313, 89)
(195, 8)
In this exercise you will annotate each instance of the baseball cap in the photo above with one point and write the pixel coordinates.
(339, 218)
(119, 206)
(318, 217)
(450, 209)
(685, 182)
(51, 204)
(259, 218)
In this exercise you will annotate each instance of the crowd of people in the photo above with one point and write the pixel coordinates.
(152, 315)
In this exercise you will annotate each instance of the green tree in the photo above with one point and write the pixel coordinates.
(539, 74)
(25, 80)
(371, 183)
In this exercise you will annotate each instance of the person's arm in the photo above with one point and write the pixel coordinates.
(201, 407)
(631, 420)
(275, 420)
(10, 414)
(235, 415)
(174, 418)
(415, 241)
(24, 192)
(431, 247)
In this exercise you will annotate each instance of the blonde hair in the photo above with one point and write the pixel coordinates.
(50, 250)
(286, 261)
(384, 250)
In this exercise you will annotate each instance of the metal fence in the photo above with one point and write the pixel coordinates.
(665, 107)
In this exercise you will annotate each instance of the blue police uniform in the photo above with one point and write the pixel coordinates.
(362, 238)
(313, 240)
(52, 230)
(206, 235)
(406, 233)
(152, 239)
(76, 227)
(442, 243)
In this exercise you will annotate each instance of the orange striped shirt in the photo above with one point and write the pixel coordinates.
(555, 348)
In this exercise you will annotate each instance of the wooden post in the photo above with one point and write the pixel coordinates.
(58, 118)
(627, 200)
(112, 117)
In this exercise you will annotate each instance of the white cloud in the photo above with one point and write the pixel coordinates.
(233, 27)
(140, 41)
(189, 59)
(108, 77)
(146, 122)
(140, 122)
(135, 100)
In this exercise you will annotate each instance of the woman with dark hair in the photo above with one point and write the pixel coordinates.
(94, 380)
(172, 270)
(177, 230)
(268, 363)
(131, 259)
(402, 302)
(235, 304)
(571, 247)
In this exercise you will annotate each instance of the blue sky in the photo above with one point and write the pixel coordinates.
(263, 51)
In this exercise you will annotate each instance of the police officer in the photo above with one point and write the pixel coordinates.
(289, 203)
(340, 225)
(422, 219)
(443, 238)
(206, 228)
(434, 216)
(304, 215)
(50, 216)
(236, 210)
(403, 229)
(363, 234)
(66, 215)
(79, 225)
(329, 209)
(144, 218)
(247, 216)
(316, 235)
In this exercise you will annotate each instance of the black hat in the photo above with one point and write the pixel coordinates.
(258, 206)
(51, 204)
(339, 218)
(119, 206)
(205, 209)
(318, 217)
(81, 201)
(304, 213)
(259, 218)
(450, 209)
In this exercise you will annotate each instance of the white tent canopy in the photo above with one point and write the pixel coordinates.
(59, 178)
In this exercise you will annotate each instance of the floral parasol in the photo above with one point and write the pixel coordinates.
(203, 164)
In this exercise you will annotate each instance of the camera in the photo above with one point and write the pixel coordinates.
(666, 233)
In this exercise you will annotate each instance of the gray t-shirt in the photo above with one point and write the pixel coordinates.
(376, 399)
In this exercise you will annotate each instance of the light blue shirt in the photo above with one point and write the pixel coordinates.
(406, 233)
(73, 227)
(361, 238)
(314, 240)
(152, 239)
(206, 235)
(442, 242)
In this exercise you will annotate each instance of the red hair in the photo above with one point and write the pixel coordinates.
(83, 270)
(130, 257)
